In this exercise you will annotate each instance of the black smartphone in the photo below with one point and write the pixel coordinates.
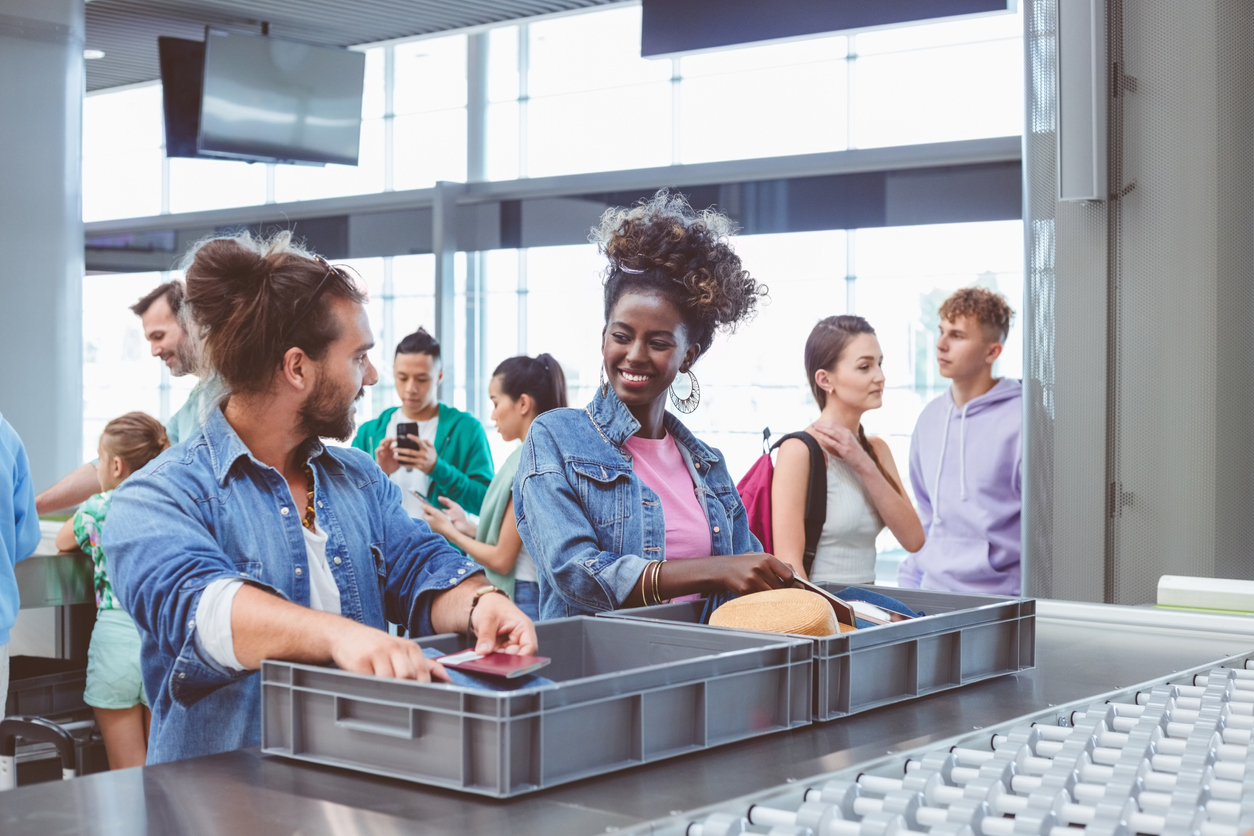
(403, 431)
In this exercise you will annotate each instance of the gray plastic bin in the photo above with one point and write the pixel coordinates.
(964, 639)
(626, 692)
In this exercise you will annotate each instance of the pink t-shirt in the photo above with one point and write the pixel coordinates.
(660, 465)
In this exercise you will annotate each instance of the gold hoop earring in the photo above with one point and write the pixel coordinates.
(689, 404)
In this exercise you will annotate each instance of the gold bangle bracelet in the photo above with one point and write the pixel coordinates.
(646, 578)
(657, 583)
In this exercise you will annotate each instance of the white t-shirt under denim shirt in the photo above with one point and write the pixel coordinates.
(411, 478)
(213, 611)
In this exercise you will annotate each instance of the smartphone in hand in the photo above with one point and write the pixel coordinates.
(423, 499)
(403, 432)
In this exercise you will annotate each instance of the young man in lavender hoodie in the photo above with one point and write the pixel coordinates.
(966, 457)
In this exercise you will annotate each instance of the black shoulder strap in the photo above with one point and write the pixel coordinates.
(816, 495)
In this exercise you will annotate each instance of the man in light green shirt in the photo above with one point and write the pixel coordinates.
(158, 311)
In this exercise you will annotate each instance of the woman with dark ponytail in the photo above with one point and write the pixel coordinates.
(844, 365)
(521, 389)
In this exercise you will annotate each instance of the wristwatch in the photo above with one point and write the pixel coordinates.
(474, 602)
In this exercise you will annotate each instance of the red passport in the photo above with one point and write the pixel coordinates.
(505, 665)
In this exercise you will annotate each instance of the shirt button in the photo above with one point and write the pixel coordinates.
(716, 529)
(191, 624)
(319, 503)
(284, 510)
(182, 676)
(298, 571)
(337, 561)
(461, 571)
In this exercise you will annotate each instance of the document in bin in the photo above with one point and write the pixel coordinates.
(505, 665)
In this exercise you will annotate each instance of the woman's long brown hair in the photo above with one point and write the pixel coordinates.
(826, 343)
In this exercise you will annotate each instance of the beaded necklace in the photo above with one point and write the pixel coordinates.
(310, 517)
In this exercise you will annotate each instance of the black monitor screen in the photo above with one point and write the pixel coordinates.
(270, 99)
(182, 75)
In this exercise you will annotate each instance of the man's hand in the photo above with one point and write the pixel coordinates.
(361, 649)
(424, 457)
(385, 455)
(501, 627)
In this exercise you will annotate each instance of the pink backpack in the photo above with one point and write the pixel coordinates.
(755, 492)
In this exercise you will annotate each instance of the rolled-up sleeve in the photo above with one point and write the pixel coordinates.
(162, 556)
(420, 564)
(561, 538)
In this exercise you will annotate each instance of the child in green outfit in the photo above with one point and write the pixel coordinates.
(115, 688)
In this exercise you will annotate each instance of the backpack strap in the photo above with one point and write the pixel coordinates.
(816, 495)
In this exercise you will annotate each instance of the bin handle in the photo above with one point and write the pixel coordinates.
(404, 733)
(404, 729)
(35, 729)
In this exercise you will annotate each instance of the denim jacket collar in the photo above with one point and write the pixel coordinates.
(617, 424)
(226, 447)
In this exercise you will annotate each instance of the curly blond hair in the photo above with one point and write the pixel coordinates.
(663, 246)
(989, 309)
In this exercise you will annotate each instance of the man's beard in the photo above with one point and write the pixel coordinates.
(326, 415)
(185, 358)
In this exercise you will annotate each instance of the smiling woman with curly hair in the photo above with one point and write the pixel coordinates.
(619, 504)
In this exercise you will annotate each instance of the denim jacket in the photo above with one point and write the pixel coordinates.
(206, 509)
(588, 520)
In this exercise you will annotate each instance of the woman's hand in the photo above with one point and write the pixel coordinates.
(841, 442)
(747, 573)
(457, 516)
(438, 520)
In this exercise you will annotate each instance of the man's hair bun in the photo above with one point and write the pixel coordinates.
(246, 293)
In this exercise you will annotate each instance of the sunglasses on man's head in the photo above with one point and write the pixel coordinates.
(313, 298)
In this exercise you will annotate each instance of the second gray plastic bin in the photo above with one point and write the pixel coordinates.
(625, 692)
(964, 639)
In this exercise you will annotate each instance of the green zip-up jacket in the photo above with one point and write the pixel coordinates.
(463, 469)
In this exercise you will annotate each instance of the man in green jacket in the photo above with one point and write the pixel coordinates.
(452, 458)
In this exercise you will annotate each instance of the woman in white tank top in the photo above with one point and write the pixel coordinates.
(844, 366)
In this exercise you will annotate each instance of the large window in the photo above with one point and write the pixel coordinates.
(571, 94)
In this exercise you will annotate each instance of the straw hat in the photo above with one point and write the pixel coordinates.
(780, 611)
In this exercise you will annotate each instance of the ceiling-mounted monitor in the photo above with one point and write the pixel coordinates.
(272, 100)
(182, 76)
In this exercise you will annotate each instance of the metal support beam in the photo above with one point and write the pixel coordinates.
(476, 107)
(444, 239)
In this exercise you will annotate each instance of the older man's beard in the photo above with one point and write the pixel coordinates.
(326, 415)
(186, 358)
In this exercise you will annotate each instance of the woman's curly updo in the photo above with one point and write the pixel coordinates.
(662, 246)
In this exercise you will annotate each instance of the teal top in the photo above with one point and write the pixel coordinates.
(495, 501)
(463, 469)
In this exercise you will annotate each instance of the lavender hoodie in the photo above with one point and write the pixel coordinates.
(967, 473)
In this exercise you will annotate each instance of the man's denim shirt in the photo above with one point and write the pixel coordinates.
(206, 509)
(590, 523)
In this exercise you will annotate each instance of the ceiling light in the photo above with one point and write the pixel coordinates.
(93, 54)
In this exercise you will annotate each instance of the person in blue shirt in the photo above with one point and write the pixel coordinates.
(19, 535)
(253, 540)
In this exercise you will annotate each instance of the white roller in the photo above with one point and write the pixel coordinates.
(1206, 593)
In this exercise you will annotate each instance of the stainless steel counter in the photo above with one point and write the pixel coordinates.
(1082, 651)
